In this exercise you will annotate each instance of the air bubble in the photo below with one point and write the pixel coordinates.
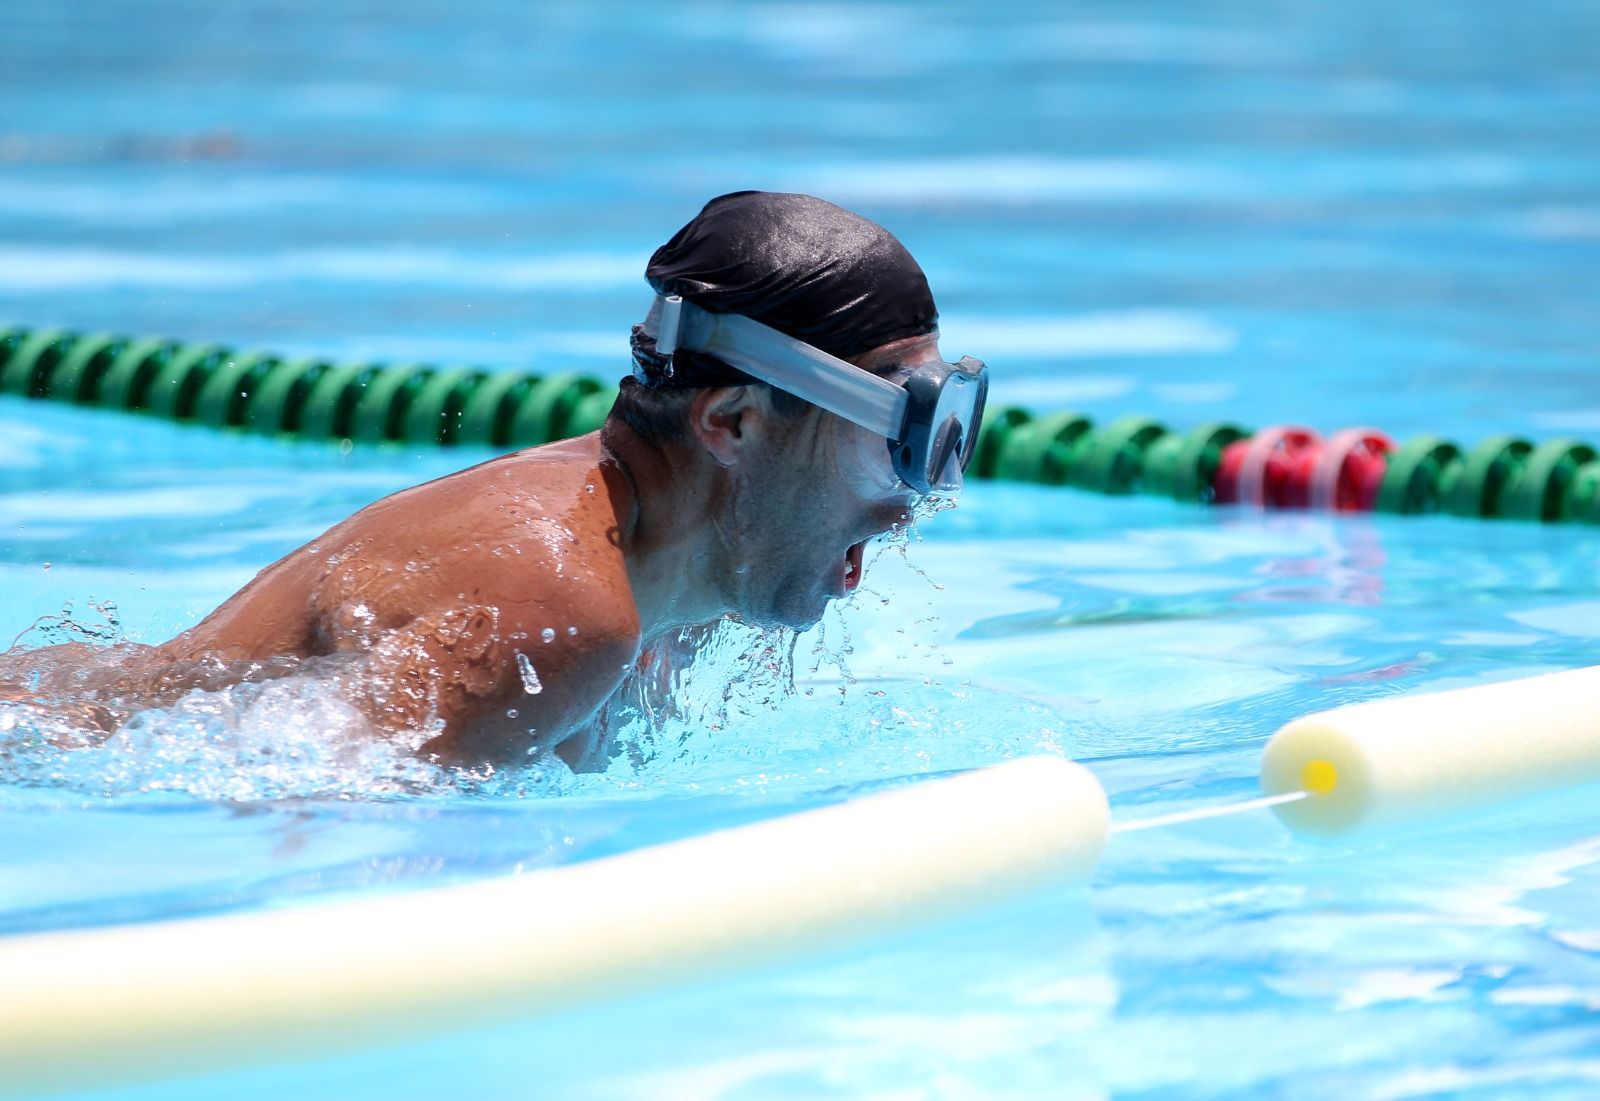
(548, 634)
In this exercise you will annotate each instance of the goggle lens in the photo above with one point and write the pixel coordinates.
(944, 460)
(954, 428)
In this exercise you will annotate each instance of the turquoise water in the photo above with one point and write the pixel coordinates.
(1358, 214)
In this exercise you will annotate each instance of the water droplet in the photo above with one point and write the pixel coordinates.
(47, 566)
(548, 634)
(589, 488)
(572, 630)
(530, 677)
(511, 712)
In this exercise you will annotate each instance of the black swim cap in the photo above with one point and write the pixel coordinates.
(805, 267)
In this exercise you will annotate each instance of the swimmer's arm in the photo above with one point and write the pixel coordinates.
(500, 690)
(585, 750)
(574, 680)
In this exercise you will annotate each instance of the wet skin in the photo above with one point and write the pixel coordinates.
(491, 613)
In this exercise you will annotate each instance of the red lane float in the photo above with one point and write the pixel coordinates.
(1287, 466)
(1350, 470)
(1271, 469)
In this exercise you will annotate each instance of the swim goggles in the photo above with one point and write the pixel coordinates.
(930, 420)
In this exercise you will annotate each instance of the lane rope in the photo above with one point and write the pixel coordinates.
(132, 1003)
(1281, 466)
(1199, 814)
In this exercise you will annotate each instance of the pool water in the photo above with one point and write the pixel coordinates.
(1260, 211)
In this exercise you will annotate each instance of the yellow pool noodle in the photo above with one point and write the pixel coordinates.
(1429, 755)
(141, 1002)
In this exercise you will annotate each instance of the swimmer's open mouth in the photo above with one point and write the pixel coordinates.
(852, 565)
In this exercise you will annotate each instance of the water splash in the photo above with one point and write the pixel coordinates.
(100, 627)
(530, 676)
(719, 709)
(248, 732)
(714, 708)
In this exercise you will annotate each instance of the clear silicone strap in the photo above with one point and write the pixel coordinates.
(791, 365)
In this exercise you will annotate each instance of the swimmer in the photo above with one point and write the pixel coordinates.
(788, 403)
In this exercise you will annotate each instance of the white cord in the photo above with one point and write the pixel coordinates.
(1208, 812)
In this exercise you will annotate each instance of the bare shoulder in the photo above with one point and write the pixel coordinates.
(501, 521)
(510, 616)
(535, 534)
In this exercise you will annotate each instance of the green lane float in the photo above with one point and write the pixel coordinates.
(26, 370)
(487, 416)
(1539, 488)
(275, 409)
(78, 376)
(126, 383)
(1043, 451)
(1475, 487)
(310, 398)
(1185, 467)
(381, 404)
(1583, 494)
(226, 393)
(1113, 462)
(1281, 466)
(1414, 476)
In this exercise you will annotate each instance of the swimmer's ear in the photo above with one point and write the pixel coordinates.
(727, 419)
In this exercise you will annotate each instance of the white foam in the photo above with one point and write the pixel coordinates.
(829, 30)
(1577, 619)
(1008, 179)
(27, 447)
(1063, 390)
(1165, 583)
(1575, 419)
(1076, 336)
(126, 504)
(348, 99)
(1563, 223)
(1194, 393)
(166, 199)
(1144, 43)
(596, 344)
(37, 270)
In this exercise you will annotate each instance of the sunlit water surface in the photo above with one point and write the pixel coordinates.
(1267, 211)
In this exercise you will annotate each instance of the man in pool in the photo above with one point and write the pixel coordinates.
(788, 403)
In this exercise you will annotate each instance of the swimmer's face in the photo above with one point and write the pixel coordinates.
(814, 498)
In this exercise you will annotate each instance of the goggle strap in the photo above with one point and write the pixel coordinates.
(668, 325)
(789, 364)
